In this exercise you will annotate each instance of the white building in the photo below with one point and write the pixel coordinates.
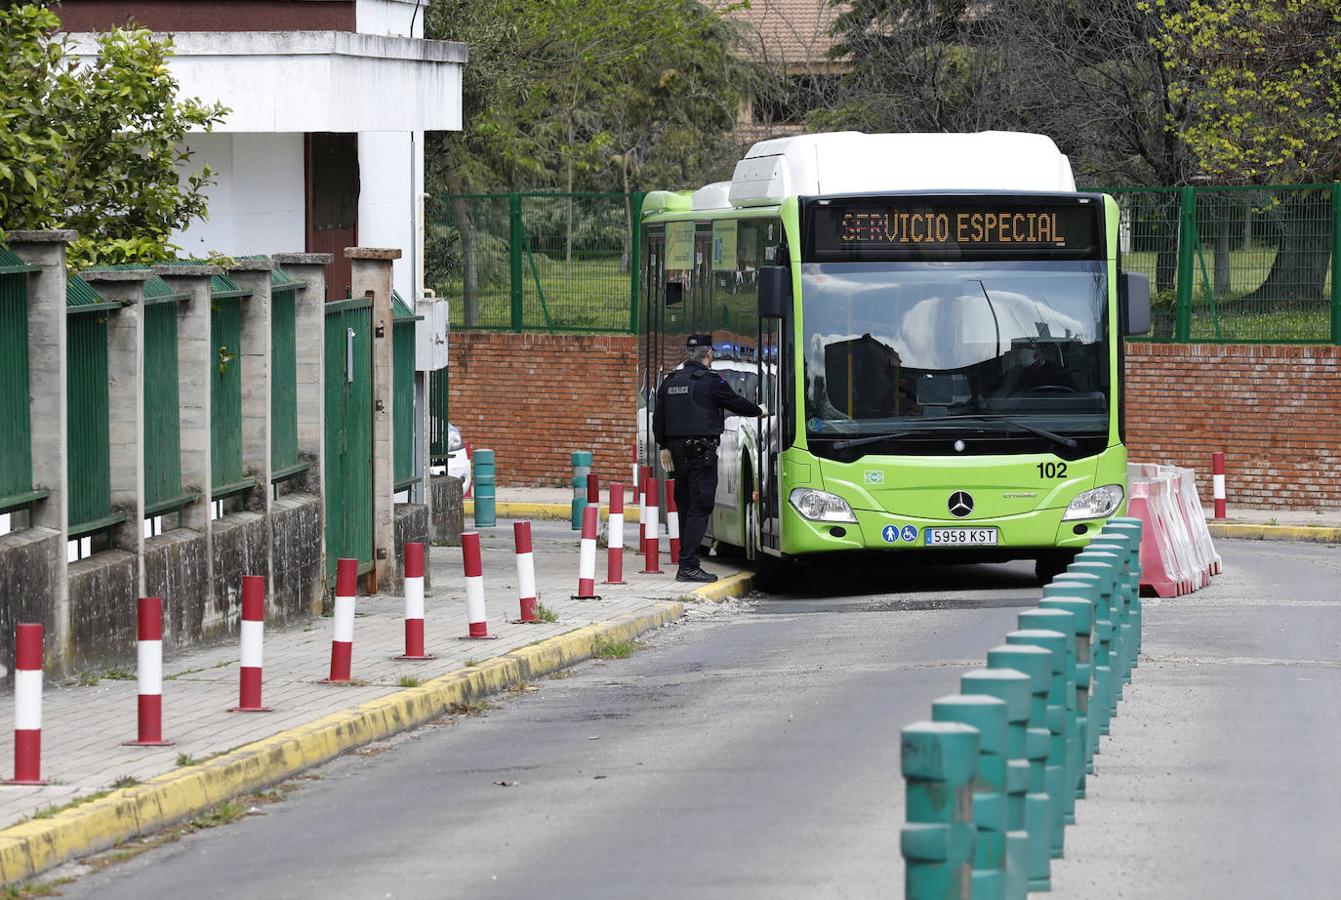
(324, 145)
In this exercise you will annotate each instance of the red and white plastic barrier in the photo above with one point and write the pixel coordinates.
(149, 673)
(253, 638)
(672, 521)
(593, 490)
(414, 603)
(526, 594)
(586, 557)
(27, 705)
(614, 562)
(1177, 553)
(637, 478)
(474, 569)
(342, 641)
(651, 529)
(1218, 483)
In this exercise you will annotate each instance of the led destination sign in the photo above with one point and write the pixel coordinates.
(953, 228)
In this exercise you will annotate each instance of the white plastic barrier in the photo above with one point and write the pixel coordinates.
(1177, 554)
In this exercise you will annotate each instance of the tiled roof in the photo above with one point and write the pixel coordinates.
(788, 31)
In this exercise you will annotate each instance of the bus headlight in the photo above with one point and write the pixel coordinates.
(821, 506)
(1095, 504)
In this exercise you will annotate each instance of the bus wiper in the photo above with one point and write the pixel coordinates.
(1069, 443)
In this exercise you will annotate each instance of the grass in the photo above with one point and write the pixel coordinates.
(225, 813)
(177, 675)
(409, 681)
(118, 675)
(43, 889)
(125, 781)
(186, 759)
(545, 614)
(472, 663)
(47, 812)
(88, 679)
(607, 649)
(473, 708)
(585, 295)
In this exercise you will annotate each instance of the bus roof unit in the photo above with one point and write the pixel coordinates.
(850, 162)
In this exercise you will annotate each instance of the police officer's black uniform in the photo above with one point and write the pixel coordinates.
(688, 420)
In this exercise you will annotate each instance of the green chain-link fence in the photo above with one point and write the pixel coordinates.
(1241, 264)
(1238, 264)
(535, 262)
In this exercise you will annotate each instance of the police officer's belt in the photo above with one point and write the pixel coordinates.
(697, 447)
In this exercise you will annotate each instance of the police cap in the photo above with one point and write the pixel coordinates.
(698, 340)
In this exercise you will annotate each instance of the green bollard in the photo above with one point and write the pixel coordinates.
(1037, 664)
(1086, 586)
(482, 476)
(988, 715)
(1014, 688)
(1082, 616)
(1106, 627)
(1119, 543)
(1119, 611)
(1134, 529)
(939, 760)
(1062, 750)
(581, 469)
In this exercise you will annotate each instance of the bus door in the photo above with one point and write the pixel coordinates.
(770, 440)
(653, 285)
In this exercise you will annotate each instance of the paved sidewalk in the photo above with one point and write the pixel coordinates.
(83, 726)
(1264, 515)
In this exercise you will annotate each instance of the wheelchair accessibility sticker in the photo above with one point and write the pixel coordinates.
(892, 534)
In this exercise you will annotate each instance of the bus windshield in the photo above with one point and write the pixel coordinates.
(907, 349)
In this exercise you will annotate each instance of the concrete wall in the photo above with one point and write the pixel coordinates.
(295, 551)
(103, 595)
(535, 398)
(256, 204)
(448, 512)
(32, 572)
(176, 568)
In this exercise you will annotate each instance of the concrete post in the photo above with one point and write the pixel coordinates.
(125, 404)
(46, 388)
(194, 384)
(371, 276)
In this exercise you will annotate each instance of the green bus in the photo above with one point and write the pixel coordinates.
(935, 324)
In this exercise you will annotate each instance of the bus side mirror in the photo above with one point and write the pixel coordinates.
(1134, 292)
(775, 292)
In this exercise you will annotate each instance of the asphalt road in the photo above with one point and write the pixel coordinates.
(753, 752)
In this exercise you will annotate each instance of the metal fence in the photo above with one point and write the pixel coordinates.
(1237, 264)
(88, 443)
(535, 262)
(402, 385)
(16, 461)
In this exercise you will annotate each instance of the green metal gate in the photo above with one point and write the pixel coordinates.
(349, 418)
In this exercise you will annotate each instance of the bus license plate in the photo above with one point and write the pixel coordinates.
(961, 537)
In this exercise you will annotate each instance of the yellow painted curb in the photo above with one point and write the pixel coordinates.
(736, 585)
(32, 847)
(1321, 534)
(515, 509)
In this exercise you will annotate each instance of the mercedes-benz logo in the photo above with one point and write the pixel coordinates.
(960, 503)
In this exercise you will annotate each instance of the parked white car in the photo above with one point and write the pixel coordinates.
(458, 463)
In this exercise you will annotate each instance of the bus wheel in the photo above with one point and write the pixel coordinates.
(1049, 565)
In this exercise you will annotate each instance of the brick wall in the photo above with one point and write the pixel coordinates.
(1275, 411)
(534, 399)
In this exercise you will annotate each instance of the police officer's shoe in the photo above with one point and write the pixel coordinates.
(695, 574)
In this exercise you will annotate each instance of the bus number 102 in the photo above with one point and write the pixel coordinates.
(1052, 470)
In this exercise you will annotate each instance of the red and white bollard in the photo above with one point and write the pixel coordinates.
(149, 672)
(526, 596)
(586, 557)
(672, 521)
(474, 568)
(614, 563)
(414, 603)
(1218, 483)
(342, 641)
(594, 490)
(253, 636)
(637, 476)
(27, 705)
(651, 536)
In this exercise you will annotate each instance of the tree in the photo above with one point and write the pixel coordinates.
(1263, 80)
(96, 147)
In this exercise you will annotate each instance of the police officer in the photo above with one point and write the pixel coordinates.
(687, 423)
